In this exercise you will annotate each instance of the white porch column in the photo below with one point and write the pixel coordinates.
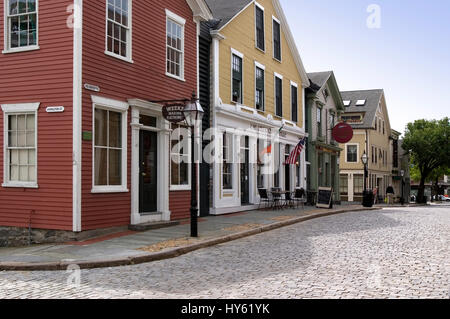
(135, 130)
(164, 171)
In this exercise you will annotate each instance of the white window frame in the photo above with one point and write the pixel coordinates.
(230, 160)
(241, 55)
(257, 5)
(187, 187)
(182, 22)
(12, 109)
(273, 41)
(262, 67)
(7, 45)
(128, 58)
(357, 153)
(293, 84)
(120, 107)
(279, 76)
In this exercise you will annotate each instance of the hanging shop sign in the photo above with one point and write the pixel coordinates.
(343, 133)
(174, 112)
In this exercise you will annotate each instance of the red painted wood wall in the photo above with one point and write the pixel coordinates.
(44, 76)
(143, 79)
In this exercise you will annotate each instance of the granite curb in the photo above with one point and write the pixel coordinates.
(169, 253)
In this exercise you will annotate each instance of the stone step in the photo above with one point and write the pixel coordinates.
(150, 226)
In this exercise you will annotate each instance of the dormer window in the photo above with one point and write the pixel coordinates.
(360, 102)
(347, 103)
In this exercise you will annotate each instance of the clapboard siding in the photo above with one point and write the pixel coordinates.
(180, 204)
(44, 76)
(144, 79)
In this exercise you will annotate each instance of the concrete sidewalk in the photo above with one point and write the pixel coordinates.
(138, 247)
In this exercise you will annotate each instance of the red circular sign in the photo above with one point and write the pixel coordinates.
(343, 133)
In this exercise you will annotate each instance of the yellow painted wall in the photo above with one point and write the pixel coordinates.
(240, 35)
(359, 139)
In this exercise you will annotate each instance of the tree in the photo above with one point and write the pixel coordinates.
(429, 144)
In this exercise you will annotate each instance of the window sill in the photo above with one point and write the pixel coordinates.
(23, 49)
(261, 50)
(279, 61)
(20, 185)
(109, 189)
(170, 75)
(176, 188)
(129, 60)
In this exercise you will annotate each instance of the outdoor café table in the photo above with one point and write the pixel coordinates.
(280, 193)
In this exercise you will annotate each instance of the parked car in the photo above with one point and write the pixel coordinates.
(444, 198)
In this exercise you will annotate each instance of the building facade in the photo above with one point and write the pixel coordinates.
(324, 106)
(83, 148)
(257, 97)
(367, 113)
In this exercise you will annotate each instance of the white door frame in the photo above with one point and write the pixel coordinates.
(163, 137)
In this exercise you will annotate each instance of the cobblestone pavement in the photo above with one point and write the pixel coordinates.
(393, 253)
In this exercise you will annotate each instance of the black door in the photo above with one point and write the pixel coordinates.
(245, 169)
(148, 172)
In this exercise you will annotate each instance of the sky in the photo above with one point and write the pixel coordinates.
(406, 51)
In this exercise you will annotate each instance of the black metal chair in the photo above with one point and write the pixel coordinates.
(288, 200)
(299, 197)
(263, 197)
(276, 198)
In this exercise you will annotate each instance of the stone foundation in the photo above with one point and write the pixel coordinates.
(17, 236)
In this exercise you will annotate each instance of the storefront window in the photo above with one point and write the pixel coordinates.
(227, 172)
(179, 163)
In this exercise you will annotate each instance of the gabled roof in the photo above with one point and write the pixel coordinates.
(318, 81)
(320, 78)
(224, 11)
(372, 98)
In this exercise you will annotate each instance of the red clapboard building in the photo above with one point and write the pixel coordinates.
(81, 146)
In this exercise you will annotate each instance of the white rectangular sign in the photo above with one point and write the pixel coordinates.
(55, 109)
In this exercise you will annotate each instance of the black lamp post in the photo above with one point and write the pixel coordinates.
(367, 200)
(193, 113)
(402, 200)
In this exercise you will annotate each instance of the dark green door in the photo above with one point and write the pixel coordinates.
(148, 172)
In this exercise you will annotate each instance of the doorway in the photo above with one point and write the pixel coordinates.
(245, 169)
(148, 183)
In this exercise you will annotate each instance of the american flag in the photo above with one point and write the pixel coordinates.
(292, 159)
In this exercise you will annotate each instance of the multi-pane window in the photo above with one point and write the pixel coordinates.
(175, 48)
(276, 176)
(343, 184)
(294, 103)
(108, 148)
(319, 121)
(260, 43)
(21, 148)
(118, 30)
(279, 96)
(237, 78)
(227, 171)
(179, 156)
(21, 23)
(276, 40)
(259, 97)
(260, 164)
(352, 153)
(358, 184)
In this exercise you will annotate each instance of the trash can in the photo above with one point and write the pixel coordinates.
(368, 198)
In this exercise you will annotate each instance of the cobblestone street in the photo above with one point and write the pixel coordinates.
(390, 253)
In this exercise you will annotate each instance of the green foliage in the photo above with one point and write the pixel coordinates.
(429, 144)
